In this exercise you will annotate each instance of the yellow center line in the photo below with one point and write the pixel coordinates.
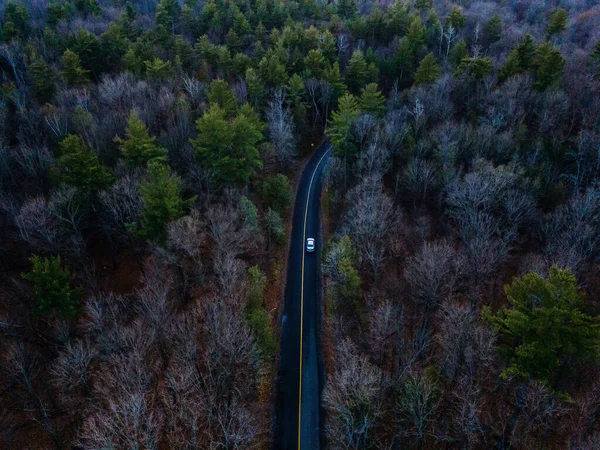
(302, 293)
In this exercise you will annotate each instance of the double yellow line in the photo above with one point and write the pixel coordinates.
(302, 292)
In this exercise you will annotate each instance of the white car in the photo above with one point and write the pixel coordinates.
(310, 245)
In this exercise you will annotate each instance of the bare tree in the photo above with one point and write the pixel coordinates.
(353, 397)
(281, 129)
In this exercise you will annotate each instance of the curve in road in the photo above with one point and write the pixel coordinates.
(300, 371)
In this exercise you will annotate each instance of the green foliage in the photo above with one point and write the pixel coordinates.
(314, 63)
(340, 129)
(157, 69)
(87, 48)
(478, 68)
(423, 4)
(256, 88)
(248, 215)
(255, 291)
(163, 203)
(274, 227)
(372, 100)
(52, 287)
(358, 72)
(72, 72)
(79, 167)
(557, 23)
(428, 71)
(277, 193)
(58, 11)
(404, 59)
(519, 60)
(548, 66)
(16, 22)
(88, 7)
(229, 147)
(260, 323)
(415, 37)
(547, 326)
(139, 147)
(333, 76)
(132, 62)
(595, 57)
(43, 80)
(458, 52)
(492, 30)
(340, 266)
(456, 18)
(167, 14)
(220, 95)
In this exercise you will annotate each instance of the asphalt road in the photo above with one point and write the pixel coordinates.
(300, 379)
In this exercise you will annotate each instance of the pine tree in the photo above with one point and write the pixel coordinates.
(358, 71)
(138, 148)
(456, 18)
(557, 23)
(43, 80)
(157, 69)
(519, 60)
(256, 87)
(547, 327)
(423, 4)
(415, 37)
(274, 228)
(404, 60)
(229, 147)
(340, 131)
(79, 167)
(595, 57)
(277, 193)
(478, 68)
(248, 215)
(314, 63)
(492, 30)
(548, 66)
(161, 194)
(372, 100)
(52, 287)
(333, 76)
(219, 94)
(458, 52)
(428, 71)
(72, 72)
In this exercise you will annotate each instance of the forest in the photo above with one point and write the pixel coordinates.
(149, 152)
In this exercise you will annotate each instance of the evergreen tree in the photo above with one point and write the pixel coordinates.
(157, 69)
(492, 30)
(277, 193)
(256, 87)
(138, 148)
(372, 101)
(52, 287)
(595, 57)
(16, 22)
(458, 52)
(415, 37)
(478, 68)
(161, 194)
(557, 23)
(229, 147)
(220, 95)
(314, 63)
(72, 72)
(79, 167)
(333, 76)
(340, 131)
(274, 228)
(456, 18)
(357, 73)
(43, 80)
(428, 71)
(548, 65)
(87, 7)
(167, 14)
(519, 60)
(255, 290)
(423, 4)
(547, 327)
(404, 60)
(248, 215)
